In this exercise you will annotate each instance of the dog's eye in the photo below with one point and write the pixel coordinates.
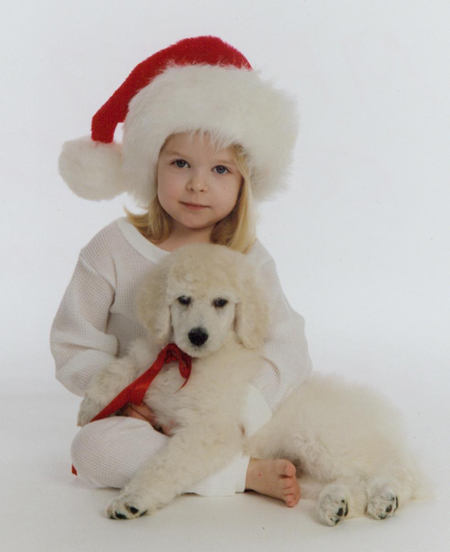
(183, 300)
(219, 303)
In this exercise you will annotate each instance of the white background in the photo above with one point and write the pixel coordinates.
(362, 237)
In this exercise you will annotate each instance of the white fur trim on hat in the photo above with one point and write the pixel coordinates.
(234, 105)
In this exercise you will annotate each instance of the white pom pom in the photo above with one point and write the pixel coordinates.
(92, 170)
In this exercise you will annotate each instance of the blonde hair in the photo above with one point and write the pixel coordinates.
(237, 230)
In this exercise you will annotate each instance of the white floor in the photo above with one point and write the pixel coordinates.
(44, 507)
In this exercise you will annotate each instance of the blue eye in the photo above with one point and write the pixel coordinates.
(220, 169)
(180, 163)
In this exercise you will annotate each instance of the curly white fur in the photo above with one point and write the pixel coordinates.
(346, 442)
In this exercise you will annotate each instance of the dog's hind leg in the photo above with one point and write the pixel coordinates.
(394, 486)
(341, 499)
(387, 492)
(383, 499)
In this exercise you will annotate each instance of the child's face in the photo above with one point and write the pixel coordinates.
(197, 185)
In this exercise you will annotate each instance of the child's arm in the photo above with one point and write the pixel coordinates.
(286, 360)
(79, 342)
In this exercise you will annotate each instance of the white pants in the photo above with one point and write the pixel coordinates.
(109, 452)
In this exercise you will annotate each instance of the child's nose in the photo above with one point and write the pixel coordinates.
(198, 182)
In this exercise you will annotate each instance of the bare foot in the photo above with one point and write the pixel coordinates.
(275, 478)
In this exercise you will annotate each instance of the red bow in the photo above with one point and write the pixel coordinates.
(135, 392)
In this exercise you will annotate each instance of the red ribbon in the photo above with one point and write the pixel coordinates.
(135, 392)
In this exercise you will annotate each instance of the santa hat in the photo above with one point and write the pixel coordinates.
(198, 83)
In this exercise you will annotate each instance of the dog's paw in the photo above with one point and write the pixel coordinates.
(88, 410)
(130, 505)
(382, 504)
(333, 505)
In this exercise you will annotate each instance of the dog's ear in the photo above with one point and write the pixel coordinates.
(252, 312)
(152, 307)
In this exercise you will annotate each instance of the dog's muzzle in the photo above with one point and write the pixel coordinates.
(198, 336)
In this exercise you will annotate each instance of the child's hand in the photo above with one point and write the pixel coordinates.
(143, 412)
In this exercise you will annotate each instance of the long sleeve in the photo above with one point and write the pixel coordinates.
(79, 341)
(286, 362)
(286, 359)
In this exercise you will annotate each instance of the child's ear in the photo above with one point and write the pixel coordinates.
(252, 312)
(152, 306)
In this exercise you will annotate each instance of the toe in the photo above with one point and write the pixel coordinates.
(290, 500)
(285, 468)
(292, 494)
(289, 469)
(287, 483)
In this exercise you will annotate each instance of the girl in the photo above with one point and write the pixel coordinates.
(204, 139)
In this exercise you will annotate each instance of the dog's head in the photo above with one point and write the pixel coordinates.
(199, 294)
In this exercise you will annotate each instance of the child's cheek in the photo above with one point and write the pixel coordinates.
(173, 193)
(168, 191)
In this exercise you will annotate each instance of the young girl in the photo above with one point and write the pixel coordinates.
(204, 139)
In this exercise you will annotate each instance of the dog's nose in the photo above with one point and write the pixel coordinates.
(198, 336)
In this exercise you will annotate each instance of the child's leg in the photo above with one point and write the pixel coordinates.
(109, 452)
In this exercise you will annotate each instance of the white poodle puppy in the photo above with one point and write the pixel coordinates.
(346, 442)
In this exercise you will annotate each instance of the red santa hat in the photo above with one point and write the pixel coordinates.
(198, 83)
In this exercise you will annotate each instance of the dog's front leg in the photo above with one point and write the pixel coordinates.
(192, 454)
(105, 386)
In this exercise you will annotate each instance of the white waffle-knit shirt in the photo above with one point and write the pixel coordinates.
(96, 320)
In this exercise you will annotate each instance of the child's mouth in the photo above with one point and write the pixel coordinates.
(194, 206)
